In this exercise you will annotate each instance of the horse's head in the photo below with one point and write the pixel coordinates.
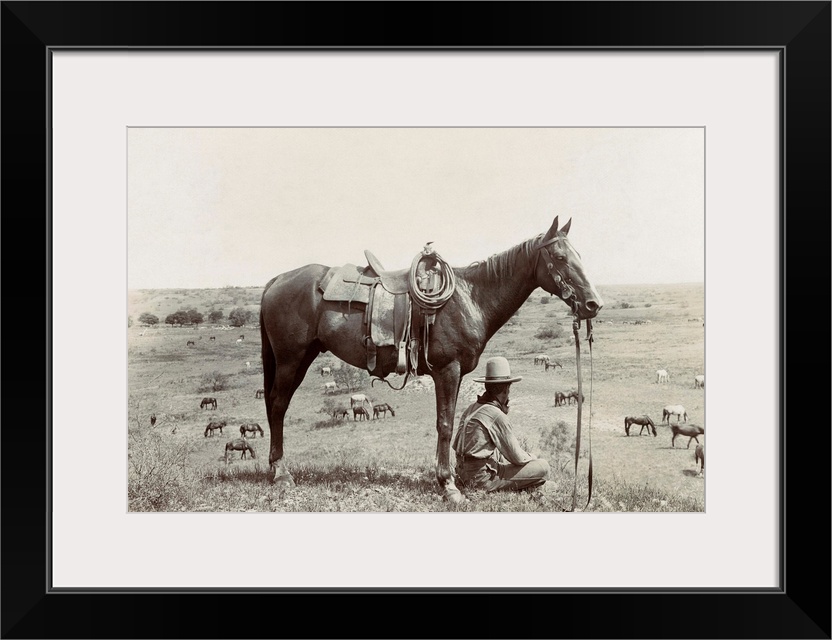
(559, 271)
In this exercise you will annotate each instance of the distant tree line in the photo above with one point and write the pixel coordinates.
(236, 318)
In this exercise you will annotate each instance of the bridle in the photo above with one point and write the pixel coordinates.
(569, 296)
(562, 282)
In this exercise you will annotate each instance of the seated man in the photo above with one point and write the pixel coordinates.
(488, 455)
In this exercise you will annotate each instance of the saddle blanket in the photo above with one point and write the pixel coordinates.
(346, 284)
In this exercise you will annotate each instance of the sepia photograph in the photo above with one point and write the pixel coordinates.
(416, 319)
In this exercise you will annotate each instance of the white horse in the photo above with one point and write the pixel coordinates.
(699, 382)
(674, 410)
(662, 376)
(326, 371)
(541, 359)
(239, 341)
(330, 386)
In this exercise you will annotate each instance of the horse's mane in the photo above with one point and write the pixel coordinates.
(501, 265)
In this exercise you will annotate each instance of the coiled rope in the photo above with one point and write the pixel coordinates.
(432, 301)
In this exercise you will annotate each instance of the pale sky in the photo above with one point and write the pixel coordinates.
(237, 206)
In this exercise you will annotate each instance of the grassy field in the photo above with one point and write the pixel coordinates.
(388, 464)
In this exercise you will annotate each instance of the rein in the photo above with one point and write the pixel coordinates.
(576, 325)
(567, 293)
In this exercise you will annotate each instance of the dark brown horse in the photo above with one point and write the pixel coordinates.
(251, 427)
(297, 324)
(382, 409)
(238, 444)
(644, 421)
(213, 425)
(691, 431)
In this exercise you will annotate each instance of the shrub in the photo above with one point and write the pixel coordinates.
(559, 443)
(156, 471)
(214, 381)
(148, 319)
(544, 299)
(548, 333)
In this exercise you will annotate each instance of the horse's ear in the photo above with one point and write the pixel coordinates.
(552, 232)
(565, 229)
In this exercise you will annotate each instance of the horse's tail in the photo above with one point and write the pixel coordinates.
(267, 355)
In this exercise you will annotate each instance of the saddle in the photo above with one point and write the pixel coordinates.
(389, 296)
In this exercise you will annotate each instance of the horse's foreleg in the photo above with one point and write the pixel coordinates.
(446, 383)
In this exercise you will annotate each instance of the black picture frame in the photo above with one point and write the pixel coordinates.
(799, 31)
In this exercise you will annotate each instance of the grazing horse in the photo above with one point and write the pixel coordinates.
(560, 398)
(541, 359)
(674, 410)
(297, 324)
(339, 413)
(251, 427)
(699, 382)
(239, 341)
(152, 419)
(259, 393)
(208, 402)
(190, 343)
(360, 413)
(213, 338)
(239, 444)
(690, 430)
(699, 457)
(662, 376)
(551, 365)
(644, 421)
(382, 409)
(326, 371)
(330, 386)
(212, 426)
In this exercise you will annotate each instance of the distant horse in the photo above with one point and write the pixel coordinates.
(699, 382)
(152, 419)
(213, 338)
(330, 386)
(551, 365)
(644, 421)
(326, 371)
(674, 410)
(689, 430)
(699, 457)
(251, 427)
(382, 409)
(541, 359)
(297, 324)
(208, 402)
(239, 444)
(339, 413)
(259, 393)
(190, 343)
(213, 426)
(239, 341)
(662, 376)
(560, 398)
(360, 413)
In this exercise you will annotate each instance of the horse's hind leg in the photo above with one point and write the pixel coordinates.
(286, 378)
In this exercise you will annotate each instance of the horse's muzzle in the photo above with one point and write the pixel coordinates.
(588, 309)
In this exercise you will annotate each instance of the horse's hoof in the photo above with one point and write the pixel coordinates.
(455, 497)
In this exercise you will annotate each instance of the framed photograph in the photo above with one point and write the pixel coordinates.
(312, 242)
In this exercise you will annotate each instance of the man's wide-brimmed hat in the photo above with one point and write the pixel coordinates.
(497, 369)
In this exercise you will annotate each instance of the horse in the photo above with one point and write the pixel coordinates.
(152, 419)
(551, 365)
(208, 402)
(213, 426)
(699, 457)
(382, 409)
(560, 398)
(239, 444)
(674, 410)
(330, 386)
(699, 382)
(644, 421)
(339, 413)
(360, 411)
(297, 324)
(259, 393)
(213, 338)
(239, 341)
(690, 430)
(251, 427)
(662, 376)
(326, 371)
(541, 359)
(190, 343)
